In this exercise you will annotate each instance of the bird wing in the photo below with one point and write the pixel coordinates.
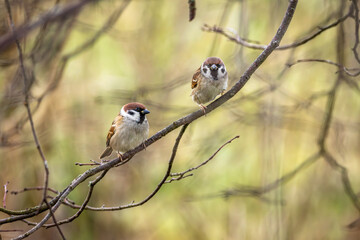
(112, 129)
(195, 79)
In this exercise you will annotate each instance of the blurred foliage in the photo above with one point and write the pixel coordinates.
(149, 55)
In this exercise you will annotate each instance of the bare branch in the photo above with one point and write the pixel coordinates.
(356, 21)
(183, 174)
(344, 179)
(237, 39)
(26, 103)
(34, 188)
(50, 16)
(341, 67)
(86, 201)
(11, 230)
(260, 191)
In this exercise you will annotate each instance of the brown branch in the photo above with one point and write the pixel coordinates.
(106, 26)
(182, 121)
(344, 179)
(260, 191)
(14, 192)
(52, 15)
(86, 201)
(11, 230)
(341, 67)
(237, 39)
(181, 175)
(327, 122)
(356, 20)
(26, 103)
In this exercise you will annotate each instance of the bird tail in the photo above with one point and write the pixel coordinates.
(106, 153)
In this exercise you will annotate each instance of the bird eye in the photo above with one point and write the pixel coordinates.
(205, 70)
(131, 112)
(223, 70)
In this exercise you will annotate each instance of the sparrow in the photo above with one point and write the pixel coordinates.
(209, 81)
(129, 129)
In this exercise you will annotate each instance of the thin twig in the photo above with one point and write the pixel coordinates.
(40, 188)
(86, 201)
(237, 39)
(341, 67)
(261, 190)
(356, 21)
(183, 174)
(11, 230)
(344, 179)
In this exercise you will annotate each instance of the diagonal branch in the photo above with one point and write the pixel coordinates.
(261, 190)
(344, 179)
(181, 175)
(83, 206)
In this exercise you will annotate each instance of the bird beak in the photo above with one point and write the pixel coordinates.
(145, 111)
(213, 67)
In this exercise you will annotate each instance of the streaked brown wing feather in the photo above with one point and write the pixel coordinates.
(112, 129)
(195, 79)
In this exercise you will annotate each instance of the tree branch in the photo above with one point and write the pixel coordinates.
(26, 103)
(181, 175)
(237, 39)
(52, 15)
(341, 67)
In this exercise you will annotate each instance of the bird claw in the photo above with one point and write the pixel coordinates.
(203, 108)
(120, 157)
(144, 145)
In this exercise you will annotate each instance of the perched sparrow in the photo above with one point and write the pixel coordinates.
(129, 129)
(209, 81)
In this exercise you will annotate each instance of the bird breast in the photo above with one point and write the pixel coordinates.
(208, 89)
(129, 135)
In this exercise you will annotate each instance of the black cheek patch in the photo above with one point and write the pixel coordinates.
(223, 70)
(205, 70)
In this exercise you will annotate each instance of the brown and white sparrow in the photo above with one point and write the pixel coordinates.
(209, 81)
(129, 129)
